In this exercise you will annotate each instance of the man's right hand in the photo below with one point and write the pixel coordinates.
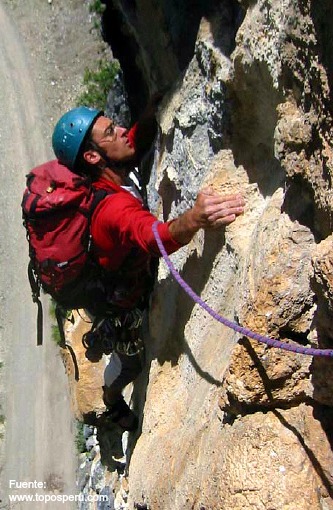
(211, 210)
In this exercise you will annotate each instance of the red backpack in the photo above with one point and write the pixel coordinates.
(57, 208)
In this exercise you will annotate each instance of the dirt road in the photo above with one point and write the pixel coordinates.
(39, 430)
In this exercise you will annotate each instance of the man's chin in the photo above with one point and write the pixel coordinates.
(125, 165)
(129, 160)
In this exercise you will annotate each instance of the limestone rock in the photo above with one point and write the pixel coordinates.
(323, 266)
(279, 304)
(262, 460)
(227, 423)
(322, 373)
(87, 390)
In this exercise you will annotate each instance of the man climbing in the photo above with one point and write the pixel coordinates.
(123, 244)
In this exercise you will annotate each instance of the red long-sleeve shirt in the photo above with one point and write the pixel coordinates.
(123, 243)
(121, 223)
(123, 240)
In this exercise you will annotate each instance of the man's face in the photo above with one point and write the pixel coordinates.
(113, 140)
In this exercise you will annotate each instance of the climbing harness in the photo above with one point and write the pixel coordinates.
(232, 325)
(116, 333)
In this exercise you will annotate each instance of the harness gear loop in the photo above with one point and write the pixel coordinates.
(116, 333)
(131, 348)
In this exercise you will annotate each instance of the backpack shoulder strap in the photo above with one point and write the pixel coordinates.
(99, 195)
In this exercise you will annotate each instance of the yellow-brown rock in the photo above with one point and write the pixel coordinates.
(322, 370)
(87, 390)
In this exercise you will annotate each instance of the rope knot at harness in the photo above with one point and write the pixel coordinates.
(226, 322)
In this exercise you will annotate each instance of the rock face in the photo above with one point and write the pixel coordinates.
(229, 423)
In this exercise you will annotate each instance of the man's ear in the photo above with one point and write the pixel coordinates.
(92, 157)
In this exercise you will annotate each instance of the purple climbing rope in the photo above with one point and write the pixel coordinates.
(232, 325)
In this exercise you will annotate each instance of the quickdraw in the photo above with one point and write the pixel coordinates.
(116, 334)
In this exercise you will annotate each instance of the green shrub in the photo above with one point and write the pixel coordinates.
(80, 442)
(97, 7)
(97, 84)
(55, 333)
(52, 309)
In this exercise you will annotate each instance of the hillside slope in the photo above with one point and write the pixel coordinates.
(37, 425)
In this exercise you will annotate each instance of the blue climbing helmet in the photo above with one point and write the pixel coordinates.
(70, 132)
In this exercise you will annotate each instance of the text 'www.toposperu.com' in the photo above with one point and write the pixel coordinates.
(22, 496)
(59, 498)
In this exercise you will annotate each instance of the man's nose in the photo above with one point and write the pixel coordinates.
(121, 131)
